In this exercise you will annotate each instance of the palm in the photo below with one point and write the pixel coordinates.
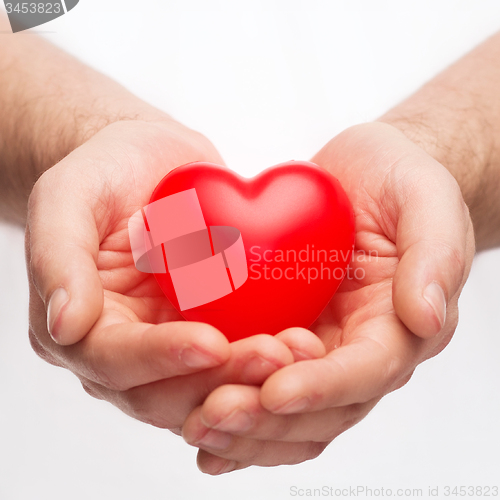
(359, 305)
(131, 295)
(412, 231)
(365, 296)
(135, 295)
(375, 175)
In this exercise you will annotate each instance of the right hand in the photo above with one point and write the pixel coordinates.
(412, 229)
(109, 323)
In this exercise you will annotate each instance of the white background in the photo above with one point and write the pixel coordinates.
(267, 81)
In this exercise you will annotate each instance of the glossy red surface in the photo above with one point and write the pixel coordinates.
(295, 220)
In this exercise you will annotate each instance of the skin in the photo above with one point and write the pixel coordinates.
(377, 328)
(71, 144)
(116, 332)
(256, 401)
(417, 180)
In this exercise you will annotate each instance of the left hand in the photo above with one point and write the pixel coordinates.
(115, 331)
(379, 326)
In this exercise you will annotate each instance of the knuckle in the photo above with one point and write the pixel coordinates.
(143, 410)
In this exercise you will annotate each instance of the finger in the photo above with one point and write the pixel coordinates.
(303, 343)
(122, 356)
(214, 465)
(250, 451)
(167, 403)
(61, 249)
(381, 354)
(264, 454)
(260, 453)
(237, 410)
(434, 239)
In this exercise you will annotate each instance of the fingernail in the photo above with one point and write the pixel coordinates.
(216, 440)
(237, 421)
(294, 406)
(258, 368)
(57, 301)
(194, 358)
(434, 295)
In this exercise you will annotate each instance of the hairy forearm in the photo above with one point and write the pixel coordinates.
(50, 104)
(456, 119)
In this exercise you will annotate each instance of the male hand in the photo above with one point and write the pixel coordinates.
(398, 307)
(109, 323)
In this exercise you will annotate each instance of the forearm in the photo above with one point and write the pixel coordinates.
(456, 119)
(50, 104)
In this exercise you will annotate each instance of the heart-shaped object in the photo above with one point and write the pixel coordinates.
(251, 256)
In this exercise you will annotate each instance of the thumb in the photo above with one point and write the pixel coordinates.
(62, 245)
(435, 245)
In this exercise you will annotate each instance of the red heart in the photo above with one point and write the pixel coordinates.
(297, 227)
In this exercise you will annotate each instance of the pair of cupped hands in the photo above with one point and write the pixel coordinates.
(264, 400)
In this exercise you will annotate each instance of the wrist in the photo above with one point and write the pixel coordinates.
(50, 129)
(78, 124)
(463, 141)
(51, 104)
(456, 119)
(460, 139)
